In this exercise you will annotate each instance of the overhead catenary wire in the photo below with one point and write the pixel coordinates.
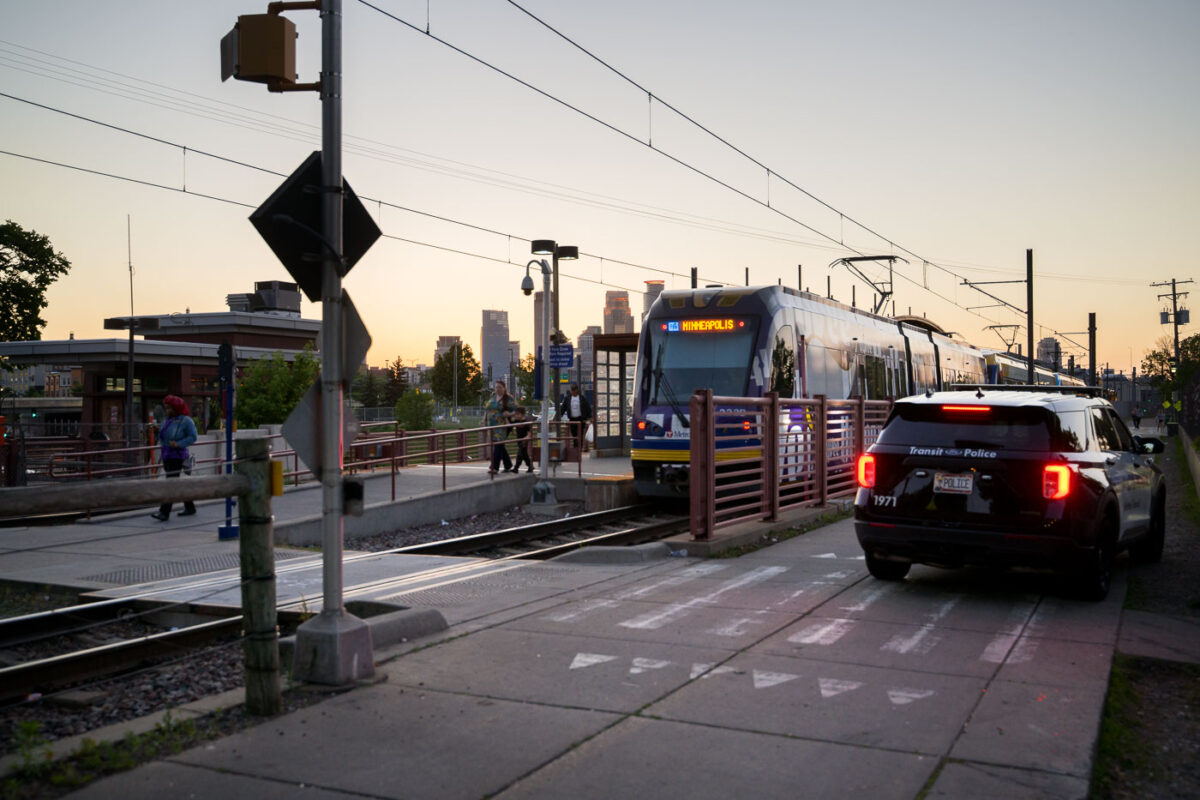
(840, 239)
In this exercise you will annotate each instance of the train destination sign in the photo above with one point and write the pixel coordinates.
(702, 325)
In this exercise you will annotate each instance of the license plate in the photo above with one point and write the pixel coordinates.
(953, 483)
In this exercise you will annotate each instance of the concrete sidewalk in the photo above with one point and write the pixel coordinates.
(787, 672)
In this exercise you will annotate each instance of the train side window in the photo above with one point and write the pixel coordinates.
(874, 371)
(783, 363)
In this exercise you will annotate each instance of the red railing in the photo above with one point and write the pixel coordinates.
(369, 452)
(754, 457)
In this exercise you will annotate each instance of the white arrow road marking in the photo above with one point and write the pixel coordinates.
(823, 632)
(656, 619)
(903, 697)
(765, 680)
(831, 687)
(580, 610)
(590, 660)
(703, 670)
(640, 665)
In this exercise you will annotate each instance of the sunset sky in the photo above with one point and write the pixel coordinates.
(953, 134)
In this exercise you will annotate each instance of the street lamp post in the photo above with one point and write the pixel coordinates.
(543, 490)
(557, 252)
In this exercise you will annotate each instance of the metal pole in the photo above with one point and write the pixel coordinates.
(1091, 348)
(555, 335)
(333, 648)
(1029, 310)
(331, 302)
(129, 375)
(543, 490)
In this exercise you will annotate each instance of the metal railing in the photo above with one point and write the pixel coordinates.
(754, 457)
(378, 446)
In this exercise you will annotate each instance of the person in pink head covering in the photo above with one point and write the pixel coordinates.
(177, 435)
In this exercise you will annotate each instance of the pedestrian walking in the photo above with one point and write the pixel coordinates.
(1137, 418)
(524, 432)
(1160, 421)
(578, 410)
(499, 411)
(177, 435)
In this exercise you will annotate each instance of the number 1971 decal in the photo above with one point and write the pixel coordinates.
(885, 500)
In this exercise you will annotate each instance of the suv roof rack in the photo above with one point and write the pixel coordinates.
(1087, 391)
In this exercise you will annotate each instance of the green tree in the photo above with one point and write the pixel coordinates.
(271, 387)
(457, 362)
(28, 265)
(366, 389)
(414, 411)
(523, 375)
(1157, 364)
(396, 383)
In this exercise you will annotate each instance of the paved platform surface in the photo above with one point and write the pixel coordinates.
(787, 672)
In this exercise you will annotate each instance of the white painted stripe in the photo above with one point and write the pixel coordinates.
(903, 697)
(998, 648)
(823, 632)
(870, 597)
(689, 574)
(838, 574)
(831, 687)
(580, 610)
(919, 643)
(826, 555)
(765, 680)
(583, 660)
(1024, 651)
(657, 619)
(640, 665)
(735, 627)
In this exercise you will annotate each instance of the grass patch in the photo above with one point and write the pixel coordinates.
(1121, 749)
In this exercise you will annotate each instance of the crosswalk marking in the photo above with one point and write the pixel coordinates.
(903, 697)
(640, 665)
(656, 619)
(831, 687)
(825, 633)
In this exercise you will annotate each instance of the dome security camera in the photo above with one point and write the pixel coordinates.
(527, 285)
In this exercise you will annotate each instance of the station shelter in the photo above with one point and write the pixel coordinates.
(614, 362)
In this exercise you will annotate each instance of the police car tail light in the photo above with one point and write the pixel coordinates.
(866, 471)
(641, 425)
(1056, 481)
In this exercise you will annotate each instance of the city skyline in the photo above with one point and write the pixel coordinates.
(1064, 128)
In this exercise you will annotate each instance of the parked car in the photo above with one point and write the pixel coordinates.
(1034, 476)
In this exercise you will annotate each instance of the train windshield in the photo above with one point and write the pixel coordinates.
(691, 354)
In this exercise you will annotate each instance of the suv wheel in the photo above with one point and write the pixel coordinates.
(887, 570)
(1095, 578)
(1149, 549)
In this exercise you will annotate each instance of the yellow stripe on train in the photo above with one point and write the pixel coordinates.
(685, 457)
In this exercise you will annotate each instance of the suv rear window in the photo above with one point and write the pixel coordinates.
(996, 428)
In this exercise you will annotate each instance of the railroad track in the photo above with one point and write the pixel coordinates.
(617, 527)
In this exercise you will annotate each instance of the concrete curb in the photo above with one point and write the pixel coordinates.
(403, 625)
(605, 554)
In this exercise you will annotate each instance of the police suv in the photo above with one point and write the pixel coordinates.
(1033, 476)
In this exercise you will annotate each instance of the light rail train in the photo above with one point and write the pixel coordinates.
(749, 341)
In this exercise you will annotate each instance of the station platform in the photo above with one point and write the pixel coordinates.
(786, 672)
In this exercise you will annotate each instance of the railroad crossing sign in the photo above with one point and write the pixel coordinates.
(290, 223)
(301, 428)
